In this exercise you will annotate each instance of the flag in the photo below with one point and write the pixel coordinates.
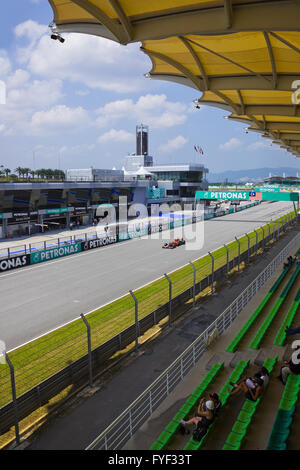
(198, 149)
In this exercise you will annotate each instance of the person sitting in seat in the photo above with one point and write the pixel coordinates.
(211, 397)
(206, 416)
(252, 388)
(263, 374)
(288, 262)
(217, 402)
(292, 331)
(292, 366)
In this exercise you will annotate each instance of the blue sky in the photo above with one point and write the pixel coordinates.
(76, 104)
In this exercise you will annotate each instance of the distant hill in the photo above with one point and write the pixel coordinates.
(251, 176)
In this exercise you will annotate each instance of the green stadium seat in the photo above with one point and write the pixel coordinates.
(164, 438)
(235, 440)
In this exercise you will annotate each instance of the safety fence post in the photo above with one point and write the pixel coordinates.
(170, 298)
(239, 253)
(263, 239)
(227, 258)
(212, 271)
(256, 240)
(248, 246)
(14, 397)
(88, 328)
(194, 284)
(273, 230)
(136, 316)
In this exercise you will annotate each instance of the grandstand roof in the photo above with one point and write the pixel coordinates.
(243, 55)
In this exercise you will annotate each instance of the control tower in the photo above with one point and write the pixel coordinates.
(142, 139)
(141, 158)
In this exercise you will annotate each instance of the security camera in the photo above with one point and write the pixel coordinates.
(57, 36)
(196, 104)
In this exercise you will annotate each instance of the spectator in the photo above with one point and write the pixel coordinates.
(292, 331)
(252, 388)
(217, 402)
(204, 417)
(289, 367)
(263, 374)
(288, 262)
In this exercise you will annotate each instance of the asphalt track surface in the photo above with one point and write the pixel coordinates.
(40, 298)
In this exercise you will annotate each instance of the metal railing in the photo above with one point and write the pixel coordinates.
(46, 366)
(122, 429)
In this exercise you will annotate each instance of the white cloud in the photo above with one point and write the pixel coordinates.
(231, 144)
(93, 61)
(5, 64)
(82, 92)
(116, 136)
(17, 79)
(36, 93)
(173, 144)
(32, 32)
(155, 110)
(259, 145)
(57, 119)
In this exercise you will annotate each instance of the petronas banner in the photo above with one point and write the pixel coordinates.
(53, 253)
(247, 195)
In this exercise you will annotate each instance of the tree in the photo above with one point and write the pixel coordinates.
(7, 171)
(19, 171)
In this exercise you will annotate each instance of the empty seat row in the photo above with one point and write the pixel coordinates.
(281, 335)
(238, 338)
(223, 396)
(273, 312)
(240, 427)
(284, 418)
(167, 435)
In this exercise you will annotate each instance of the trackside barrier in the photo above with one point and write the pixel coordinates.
(92, 239)
(33, 393)
(123, 428)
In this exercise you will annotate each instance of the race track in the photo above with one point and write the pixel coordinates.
(40, 298)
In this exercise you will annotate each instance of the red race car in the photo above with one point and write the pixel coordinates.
(176, 242)
(179, 241)
(170, 245)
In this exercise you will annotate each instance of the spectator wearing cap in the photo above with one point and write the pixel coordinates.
(205, 415)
